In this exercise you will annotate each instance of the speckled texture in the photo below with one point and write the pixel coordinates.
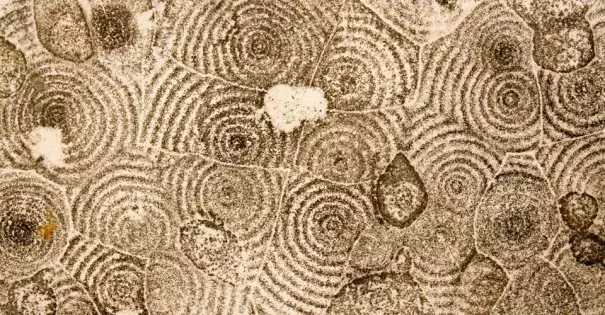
(302, 157)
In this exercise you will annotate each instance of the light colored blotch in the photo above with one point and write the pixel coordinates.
(443, 20)
(288, 106)
(129, 312)
(47, 143)
(145, 20)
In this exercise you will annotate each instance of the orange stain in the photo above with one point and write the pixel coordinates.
(47, 229)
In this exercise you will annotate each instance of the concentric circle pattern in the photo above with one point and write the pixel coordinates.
(454, 164)
(124, 205)
(352, 148)
(33, 223)
(439, 256)
(481, 76)
(255, 42)
(302, 157)
(72, 297)
(366, 65)
(186, 113)
(173, 285)
(115, 280)
(315, 232)
(242, 199)
(422, 21)
(573, 102)
(576, 166)
(516, 220)
(94, 110)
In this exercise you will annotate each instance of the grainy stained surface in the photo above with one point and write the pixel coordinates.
(302, 157)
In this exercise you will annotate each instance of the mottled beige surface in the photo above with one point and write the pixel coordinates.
(290, 157)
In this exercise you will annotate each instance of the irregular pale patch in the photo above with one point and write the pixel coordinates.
(145, 20)
(47, 144)
(288, 106)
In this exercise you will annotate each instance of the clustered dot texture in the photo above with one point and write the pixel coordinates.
(273, 157)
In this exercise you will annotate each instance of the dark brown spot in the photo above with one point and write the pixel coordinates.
(587, 249)
(578, 210)
(564, 47)
(448, 4)
(20, 232)
(239, 142)
(511, 99)
(504, 54)
(516, 226)
(113, 26)
(54, 116)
